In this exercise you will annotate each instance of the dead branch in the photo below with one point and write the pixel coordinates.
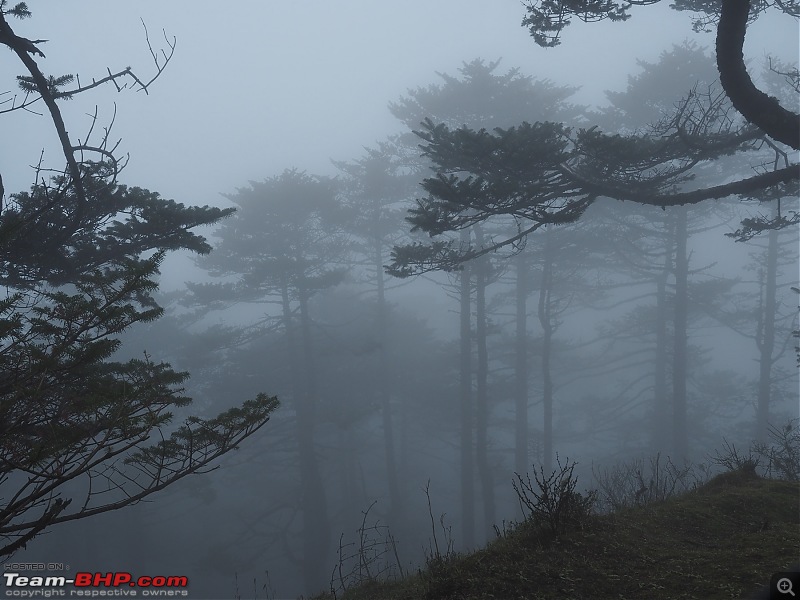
(47, 92)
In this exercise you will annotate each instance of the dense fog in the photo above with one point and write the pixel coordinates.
(412, 384)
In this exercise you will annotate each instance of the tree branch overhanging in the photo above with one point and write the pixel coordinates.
(546, 20)
(543, 174)
(757, 107)
(742, 187)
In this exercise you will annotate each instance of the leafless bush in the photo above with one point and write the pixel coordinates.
(553, 502)
(434, 553)
(266, 587)
(782, 455)
(505, 529)
(732, 460)
(635, 483)
(367, 559)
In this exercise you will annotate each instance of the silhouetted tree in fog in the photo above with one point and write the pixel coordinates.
(544, 173)
(547, 172)
(280, 248)
(80, 256)
(687, 67)
(480, 98)
(375, 196)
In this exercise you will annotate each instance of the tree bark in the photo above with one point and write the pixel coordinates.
(757, 107)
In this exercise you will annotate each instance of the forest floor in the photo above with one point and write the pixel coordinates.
(722, 540)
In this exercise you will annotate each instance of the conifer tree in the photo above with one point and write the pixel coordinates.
(80, 432)
(283, 247)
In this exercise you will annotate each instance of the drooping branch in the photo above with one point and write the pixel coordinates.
(542, 174)
(742, 187)
(417, 258)
(547, 18)
(757, 107)
(50, 514)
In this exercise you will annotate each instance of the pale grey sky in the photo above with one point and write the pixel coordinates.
(256, 87)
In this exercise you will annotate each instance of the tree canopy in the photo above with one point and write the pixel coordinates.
(549, 172)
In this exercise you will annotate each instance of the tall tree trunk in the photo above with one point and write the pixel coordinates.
(680, 444)
(765, 337)
(545, 320)
(482, 393)
(660, 435)
(396, 516)
(465, 388)
(521, 367)
(316, 526)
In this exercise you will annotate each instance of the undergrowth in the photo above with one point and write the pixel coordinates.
(649, 529)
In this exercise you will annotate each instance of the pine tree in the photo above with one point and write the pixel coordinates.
(74, 423)
(281, 247)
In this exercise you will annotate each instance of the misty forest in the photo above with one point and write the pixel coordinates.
(513, 305)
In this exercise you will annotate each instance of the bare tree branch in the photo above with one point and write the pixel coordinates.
(48, 91)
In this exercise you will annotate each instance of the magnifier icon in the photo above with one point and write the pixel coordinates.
(784, 586)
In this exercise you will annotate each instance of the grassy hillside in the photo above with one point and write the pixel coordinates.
(722, 540)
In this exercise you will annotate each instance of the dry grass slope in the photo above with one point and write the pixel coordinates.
(722, 540)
